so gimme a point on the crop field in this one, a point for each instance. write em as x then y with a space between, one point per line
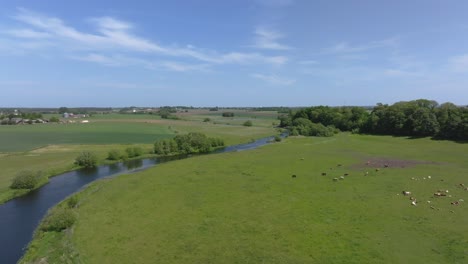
280 203
27 137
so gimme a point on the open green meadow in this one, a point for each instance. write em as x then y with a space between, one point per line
52 148
245 207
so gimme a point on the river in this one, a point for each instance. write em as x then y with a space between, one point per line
20 217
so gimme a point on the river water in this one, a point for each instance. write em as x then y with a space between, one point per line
20 217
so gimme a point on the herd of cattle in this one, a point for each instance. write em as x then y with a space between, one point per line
414 202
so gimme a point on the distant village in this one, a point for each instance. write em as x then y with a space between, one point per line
16 117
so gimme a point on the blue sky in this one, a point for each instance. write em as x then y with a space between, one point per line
232 53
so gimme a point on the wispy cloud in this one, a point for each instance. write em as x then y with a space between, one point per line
345 47
28 33
268 39
115 35
273 79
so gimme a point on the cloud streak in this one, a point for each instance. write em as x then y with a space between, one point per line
268 39
115 35
273 79
344 47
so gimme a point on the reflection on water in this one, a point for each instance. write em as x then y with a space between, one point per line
133 164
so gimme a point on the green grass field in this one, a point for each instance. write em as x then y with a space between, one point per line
245 207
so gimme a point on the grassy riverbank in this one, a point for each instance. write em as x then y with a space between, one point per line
246 207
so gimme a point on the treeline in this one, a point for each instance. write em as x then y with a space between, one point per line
187 144
418 118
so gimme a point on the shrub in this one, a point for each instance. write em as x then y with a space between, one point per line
134 152
72 202
114 155
248 123
86 159
58 219
228 114
54 119
277 138
26 180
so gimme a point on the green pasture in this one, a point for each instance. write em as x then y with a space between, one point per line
245 207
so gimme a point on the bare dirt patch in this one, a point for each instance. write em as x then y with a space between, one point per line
389 163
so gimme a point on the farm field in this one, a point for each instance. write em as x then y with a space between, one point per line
246 207
52 148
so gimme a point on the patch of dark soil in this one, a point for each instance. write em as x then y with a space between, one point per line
389 163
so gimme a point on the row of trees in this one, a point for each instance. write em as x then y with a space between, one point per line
185 144
418 118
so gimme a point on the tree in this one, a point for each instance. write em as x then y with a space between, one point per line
63 109
228 114
86 159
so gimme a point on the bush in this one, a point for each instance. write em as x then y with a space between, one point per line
248 123
54 119
115 155
228 114
26 180
72 202
58 219
277 138
134 152
86 159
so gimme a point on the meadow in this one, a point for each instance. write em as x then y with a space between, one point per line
52 148
246 207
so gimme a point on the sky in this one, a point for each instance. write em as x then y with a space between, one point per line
112 53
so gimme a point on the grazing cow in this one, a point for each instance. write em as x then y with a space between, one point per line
377 169
414 203
439 194
406 193
324 174
294 176
346 174
339 165
412 198
335 179
341 177
385 165
455 203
